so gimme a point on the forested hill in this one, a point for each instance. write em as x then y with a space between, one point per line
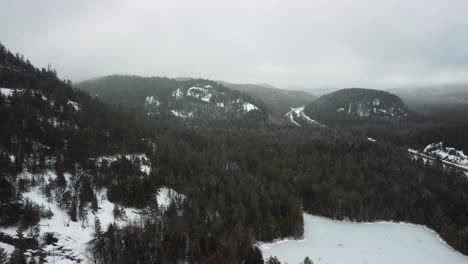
83 182
55 115
357 105
196 100
279 101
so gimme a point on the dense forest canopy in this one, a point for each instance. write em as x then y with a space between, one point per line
348 106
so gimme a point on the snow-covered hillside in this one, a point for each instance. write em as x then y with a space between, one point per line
436 152
447 154
357 104
189 101
334 242
297 116
71 238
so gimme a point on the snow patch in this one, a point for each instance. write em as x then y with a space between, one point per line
246 105
75 105
448 154
166 196
8 92
200 93
178 93
8 248
151 100
182 114
145 163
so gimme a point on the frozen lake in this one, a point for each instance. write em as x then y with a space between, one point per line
336 242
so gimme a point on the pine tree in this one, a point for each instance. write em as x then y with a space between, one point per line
272 260
17 257
3 256
307 260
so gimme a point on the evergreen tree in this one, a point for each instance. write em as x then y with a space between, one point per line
3 256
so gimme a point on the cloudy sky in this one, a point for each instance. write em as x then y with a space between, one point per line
310 43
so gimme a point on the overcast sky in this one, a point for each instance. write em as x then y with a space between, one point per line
311 43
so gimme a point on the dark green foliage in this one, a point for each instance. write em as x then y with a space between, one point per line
3 256
356 105
132 92
307 260
273 260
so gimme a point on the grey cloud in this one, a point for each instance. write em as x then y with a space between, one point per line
343 43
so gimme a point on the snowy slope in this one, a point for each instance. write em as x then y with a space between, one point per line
335 242
448 156
438 150
73 237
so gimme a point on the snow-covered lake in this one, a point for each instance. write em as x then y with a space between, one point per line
334 242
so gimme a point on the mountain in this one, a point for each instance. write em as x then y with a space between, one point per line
434 94
357 104
446 103
195 100
63 155
278 101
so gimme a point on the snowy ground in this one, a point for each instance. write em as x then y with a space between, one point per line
73 237
335 242
431 160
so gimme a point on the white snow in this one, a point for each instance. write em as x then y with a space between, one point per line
249 107
221 105
151 100
340 109
145 163
447 154
246 105
73 237
75 105
7 247
200 93
334 242
7 92
182 114
178 93
167 195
